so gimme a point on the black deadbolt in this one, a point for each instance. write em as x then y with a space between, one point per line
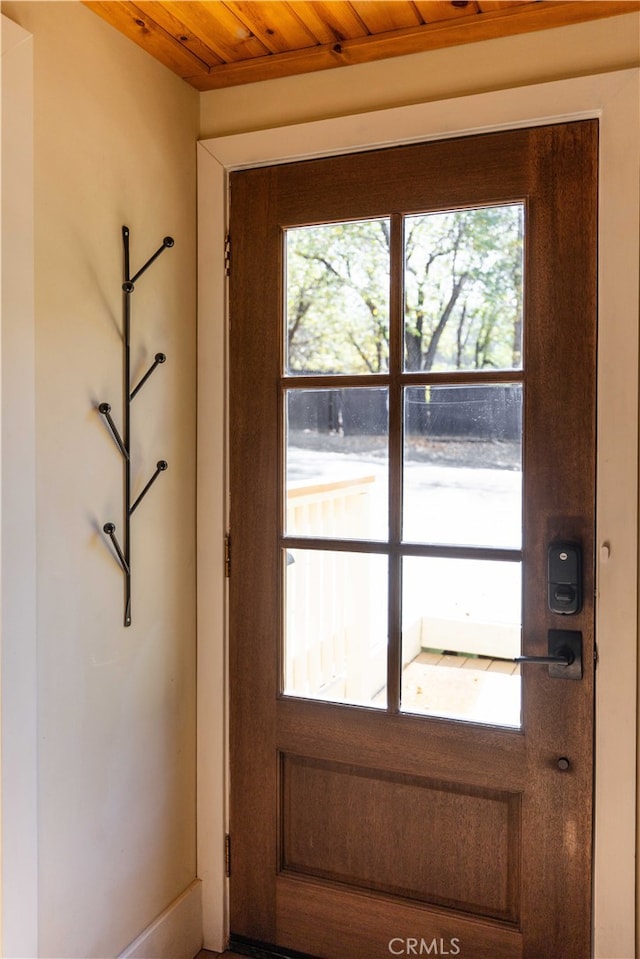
565 578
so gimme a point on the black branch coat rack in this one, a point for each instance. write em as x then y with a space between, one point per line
123 440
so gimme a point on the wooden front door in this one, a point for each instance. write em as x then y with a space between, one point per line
412 396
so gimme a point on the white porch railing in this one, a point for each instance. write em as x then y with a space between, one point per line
334 646
335 624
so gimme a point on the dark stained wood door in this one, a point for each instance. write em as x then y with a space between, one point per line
364 828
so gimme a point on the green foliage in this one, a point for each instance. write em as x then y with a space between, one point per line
338 297
463 293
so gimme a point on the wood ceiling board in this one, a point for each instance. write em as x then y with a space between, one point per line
490 6
331 21
219 28
380 17
276 25
251 62
431 37
433 10
129 20
164 18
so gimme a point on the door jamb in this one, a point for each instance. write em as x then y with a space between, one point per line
614 98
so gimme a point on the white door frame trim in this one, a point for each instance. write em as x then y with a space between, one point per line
614 98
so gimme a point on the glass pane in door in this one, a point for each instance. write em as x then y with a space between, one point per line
336 463
461 629
337 298
335 643
463 465
463 289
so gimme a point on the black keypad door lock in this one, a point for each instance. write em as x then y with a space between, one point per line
565 578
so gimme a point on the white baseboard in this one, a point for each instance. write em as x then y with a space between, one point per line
176 933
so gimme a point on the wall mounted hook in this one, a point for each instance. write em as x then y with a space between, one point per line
105 409
124 441
158 359
129 285
161 466
110 530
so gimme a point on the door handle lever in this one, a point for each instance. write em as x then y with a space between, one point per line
564 657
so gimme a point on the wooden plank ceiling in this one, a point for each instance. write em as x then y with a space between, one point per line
221 43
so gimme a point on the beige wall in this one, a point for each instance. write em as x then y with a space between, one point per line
114 143
610 44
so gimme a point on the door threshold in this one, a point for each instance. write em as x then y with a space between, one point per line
264 950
